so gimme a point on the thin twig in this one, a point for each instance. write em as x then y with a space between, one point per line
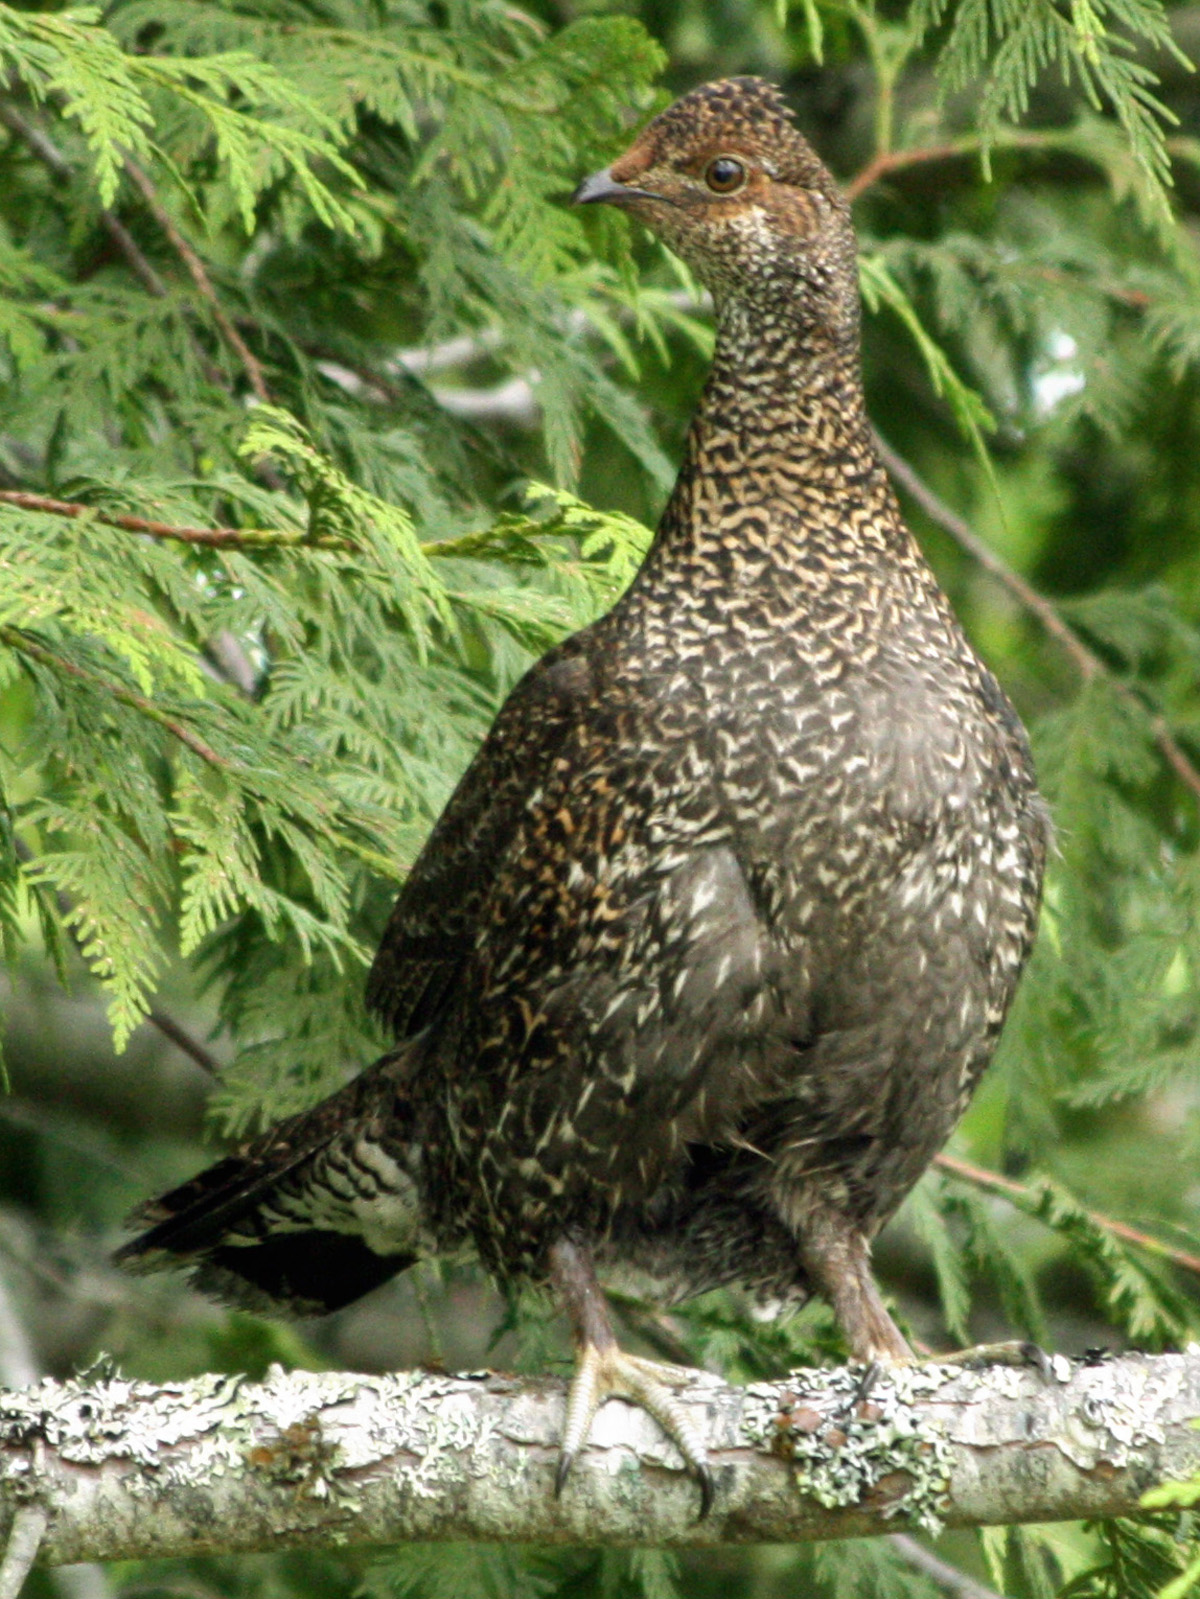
24 645
897 160
889 161
213 537
1088 664
217 537
993 1183
182 1039
48 152
52 157
938 511
28 1529
199 276
948 1578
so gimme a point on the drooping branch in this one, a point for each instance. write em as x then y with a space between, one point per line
992 1182
124 1469
52 157
199 276
24 644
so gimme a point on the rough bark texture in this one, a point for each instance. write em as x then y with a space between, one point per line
220 1463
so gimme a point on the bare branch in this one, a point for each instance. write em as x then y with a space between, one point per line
948 1578
129 1470
199 276
458 351
228 658
24 1541
890 161
52 157
183 1040
514 402
966 538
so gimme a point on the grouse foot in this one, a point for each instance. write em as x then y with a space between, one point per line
1012 1352
604 1371
610 1373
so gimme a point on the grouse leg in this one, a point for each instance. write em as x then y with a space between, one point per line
838 1260
604 1371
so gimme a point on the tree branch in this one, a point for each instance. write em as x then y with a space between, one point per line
24 1541
52 157
897 160
127 1470
994 1183
948 1578
18 640
251 538
199 276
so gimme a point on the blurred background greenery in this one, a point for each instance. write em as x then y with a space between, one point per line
361 418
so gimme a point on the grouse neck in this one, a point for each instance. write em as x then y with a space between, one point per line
780 459
782 383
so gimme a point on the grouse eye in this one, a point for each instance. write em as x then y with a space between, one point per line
724 175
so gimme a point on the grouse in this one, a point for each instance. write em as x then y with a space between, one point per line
706 954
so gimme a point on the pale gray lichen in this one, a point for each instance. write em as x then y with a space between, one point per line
1122 1409
843 1448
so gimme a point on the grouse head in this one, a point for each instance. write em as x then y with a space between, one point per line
724 178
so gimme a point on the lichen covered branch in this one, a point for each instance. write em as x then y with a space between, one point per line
124 1469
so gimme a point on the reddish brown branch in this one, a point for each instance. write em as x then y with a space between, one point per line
880 166
199 276
214 537
993 1183
897 160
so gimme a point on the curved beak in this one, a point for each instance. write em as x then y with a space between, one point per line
603 189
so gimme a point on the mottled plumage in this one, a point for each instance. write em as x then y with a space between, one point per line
705 956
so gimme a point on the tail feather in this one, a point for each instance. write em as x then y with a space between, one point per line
310 1216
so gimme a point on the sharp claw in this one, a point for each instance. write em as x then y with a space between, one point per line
603 1371
867 1381
609 1373
1035 1355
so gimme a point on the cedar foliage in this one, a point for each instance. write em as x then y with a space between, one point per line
282 519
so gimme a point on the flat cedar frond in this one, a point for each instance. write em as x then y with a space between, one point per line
1010 44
